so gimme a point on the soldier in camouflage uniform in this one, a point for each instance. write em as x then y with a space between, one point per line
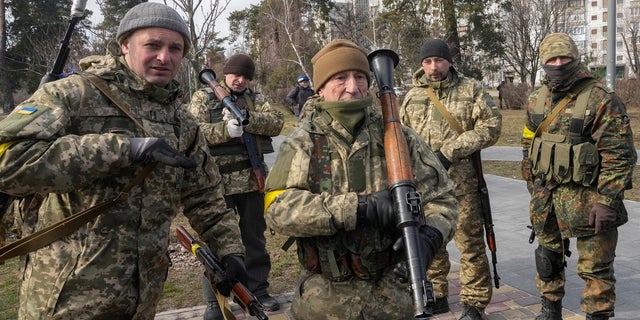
224 136
329 189
472 107
70 144
576 191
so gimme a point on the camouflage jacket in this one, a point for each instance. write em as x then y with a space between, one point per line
70 144
607 126
264 122
474 111
293 210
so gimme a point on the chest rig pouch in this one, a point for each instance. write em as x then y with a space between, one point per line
363 253
565 158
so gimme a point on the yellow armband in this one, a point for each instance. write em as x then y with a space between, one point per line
4 147
269 197
527 133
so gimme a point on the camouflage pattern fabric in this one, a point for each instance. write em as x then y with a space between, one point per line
560 211
297 212
70 144
558 45
477 114
263 121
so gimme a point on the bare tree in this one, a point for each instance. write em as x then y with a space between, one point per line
6 96
526 23
629 34
285 13
201 17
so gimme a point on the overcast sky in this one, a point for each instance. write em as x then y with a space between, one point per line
222 25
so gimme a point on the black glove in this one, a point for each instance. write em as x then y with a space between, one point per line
156 149
234 270
601 215
445 162
430 243
376 210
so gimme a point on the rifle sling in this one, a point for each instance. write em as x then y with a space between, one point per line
73 222
458 128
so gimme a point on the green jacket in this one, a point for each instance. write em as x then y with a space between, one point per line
607 125
471 106
70 144
294 210
264 123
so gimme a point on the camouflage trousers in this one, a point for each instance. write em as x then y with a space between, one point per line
596 254
475 275
319 298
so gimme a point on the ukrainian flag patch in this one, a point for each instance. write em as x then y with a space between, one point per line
27 110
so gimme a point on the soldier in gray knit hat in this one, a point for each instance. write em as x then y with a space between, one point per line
73 144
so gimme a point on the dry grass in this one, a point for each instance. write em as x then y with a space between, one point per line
183 286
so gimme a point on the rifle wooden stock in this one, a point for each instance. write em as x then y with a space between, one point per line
207 76
485 206
241 295
401 184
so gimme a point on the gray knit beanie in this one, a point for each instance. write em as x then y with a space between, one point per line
153 14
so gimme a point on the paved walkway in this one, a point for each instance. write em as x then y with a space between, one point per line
516 299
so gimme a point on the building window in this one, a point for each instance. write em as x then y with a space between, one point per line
594 3
605 15
594 31
594 46
604 30
619 58
604 43
605 3
620 15
576 3
618 44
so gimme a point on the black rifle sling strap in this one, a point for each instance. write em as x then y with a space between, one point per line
72 223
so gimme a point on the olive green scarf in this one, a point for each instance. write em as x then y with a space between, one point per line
350 114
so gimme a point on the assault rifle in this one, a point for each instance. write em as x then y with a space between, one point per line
241 295
77 14
208 77
401 184
485 206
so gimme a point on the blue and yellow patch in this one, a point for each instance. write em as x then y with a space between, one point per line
27 110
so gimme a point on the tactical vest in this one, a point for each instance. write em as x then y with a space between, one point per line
234 147
565 159
345 254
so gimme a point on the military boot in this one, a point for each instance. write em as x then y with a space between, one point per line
213 312
551 310
596 317
471 313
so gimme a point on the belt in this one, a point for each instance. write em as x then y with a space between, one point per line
234 167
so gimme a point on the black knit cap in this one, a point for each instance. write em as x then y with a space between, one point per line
435 48
240 64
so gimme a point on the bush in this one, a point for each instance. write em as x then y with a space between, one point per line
514 96
629 92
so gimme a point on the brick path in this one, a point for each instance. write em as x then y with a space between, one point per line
507 303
